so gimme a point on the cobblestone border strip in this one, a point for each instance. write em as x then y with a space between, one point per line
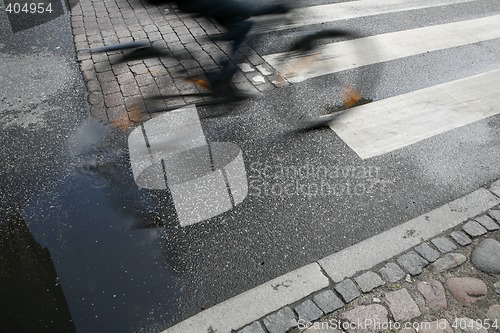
312 292
440 255
401 238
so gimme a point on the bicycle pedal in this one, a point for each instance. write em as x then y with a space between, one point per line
199 82
350 97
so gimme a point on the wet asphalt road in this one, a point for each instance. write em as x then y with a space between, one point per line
123 262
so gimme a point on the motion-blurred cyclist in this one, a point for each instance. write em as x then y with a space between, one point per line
234 16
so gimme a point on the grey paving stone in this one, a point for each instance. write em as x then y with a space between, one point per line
130 89
497 287
123 33
255 327
150 28
486 256
281 321
448 261
111 40
110 88
308 311
348 290
113 100
369 281
158 70
181 30
126 77
488 223
265 87
93 86
412 262
461 238
328 301
138 35
117 114
106 76
474 229
86 65
402 305
444 244
139 69
426 251
493 313
391 272
255 59
265 69
495 214
144 79
365 319
96 98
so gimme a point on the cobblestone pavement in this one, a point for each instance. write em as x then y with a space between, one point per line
449 284
116 91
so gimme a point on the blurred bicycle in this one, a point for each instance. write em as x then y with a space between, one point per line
307 48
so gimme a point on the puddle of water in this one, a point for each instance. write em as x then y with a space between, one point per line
114 267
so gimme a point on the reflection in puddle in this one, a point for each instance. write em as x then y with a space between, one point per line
115 268
31 295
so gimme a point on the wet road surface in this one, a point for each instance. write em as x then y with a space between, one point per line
114 255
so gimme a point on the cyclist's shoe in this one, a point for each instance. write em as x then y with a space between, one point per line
220 81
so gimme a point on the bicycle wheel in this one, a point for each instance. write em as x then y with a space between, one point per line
336 56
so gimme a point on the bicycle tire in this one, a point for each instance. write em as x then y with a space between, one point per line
351 84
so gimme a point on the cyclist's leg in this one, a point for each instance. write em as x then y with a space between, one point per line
269 10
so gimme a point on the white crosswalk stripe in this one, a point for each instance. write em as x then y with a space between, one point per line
350 54
380 127
355 9
387 125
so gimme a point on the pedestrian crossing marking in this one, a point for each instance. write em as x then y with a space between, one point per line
383 126
355 53
356 9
